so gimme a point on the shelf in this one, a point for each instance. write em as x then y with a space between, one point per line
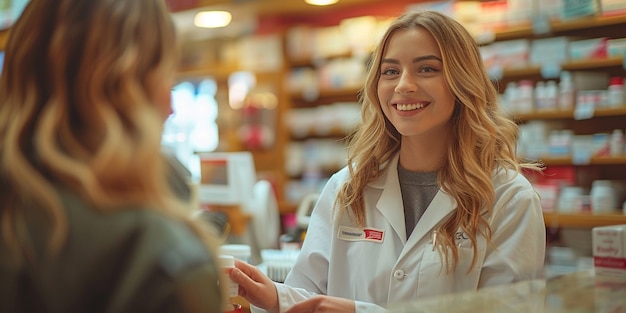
568 114
583 220
535 70
554 161
216 70
327 96
526 30
578 65
334 134
312 61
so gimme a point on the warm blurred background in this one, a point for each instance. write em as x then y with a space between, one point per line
280 80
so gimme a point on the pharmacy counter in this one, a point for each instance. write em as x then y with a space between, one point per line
580 292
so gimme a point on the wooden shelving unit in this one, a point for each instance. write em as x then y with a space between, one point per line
555 27
581 220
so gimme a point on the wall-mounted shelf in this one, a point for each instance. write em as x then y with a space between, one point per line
555 27
568 114
577 65
326 96
554 161
581 220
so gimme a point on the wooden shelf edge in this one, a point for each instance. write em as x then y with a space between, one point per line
324 94
583 220
614 160
574 65
567 114
526 30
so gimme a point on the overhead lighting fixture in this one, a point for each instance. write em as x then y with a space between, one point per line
321 2
212 19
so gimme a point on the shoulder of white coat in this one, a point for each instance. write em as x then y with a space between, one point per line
510 180
512 189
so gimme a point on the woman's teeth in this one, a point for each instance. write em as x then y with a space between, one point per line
409 107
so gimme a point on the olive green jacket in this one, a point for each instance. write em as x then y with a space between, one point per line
134 260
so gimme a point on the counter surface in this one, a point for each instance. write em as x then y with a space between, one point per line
580 292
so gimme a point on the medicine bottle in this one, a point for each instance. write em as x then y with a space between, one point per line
616 143
227 263
603 198
567 93
616 92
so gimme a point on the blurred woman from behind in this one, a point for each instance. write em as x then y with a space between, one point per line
89 220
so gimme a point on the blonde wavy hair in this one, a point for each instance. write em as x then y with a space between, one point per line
77 111
485 137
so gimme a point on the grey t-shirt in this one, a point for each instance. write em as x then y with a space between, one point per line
418 190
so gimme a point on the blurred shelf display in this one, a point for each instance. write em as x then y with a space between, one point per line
574 139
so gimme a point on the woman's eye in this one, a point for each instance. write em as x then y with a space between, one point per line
427 69
389 71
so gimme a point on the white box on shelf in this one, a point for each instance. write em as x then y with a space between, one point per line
609 250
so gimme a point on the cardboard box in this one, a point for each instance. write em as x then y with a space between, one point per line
609 250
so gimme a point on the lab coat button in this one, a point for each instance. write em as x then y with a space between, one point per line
399 274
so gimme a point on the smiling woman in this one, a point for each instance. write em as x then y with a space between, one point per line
433 196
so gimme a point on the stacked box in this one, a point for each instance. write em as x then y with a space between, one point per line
609 250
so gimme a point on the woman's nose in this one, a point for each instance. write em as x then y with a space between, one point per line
406 83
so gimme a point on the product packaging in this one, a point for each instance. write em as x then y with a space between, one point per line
609 250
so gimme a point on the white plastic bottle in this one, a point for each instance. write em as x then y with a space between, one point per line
567 93
603 198
510 97
525 96
616 92
616 144
540 95
551 92
227 263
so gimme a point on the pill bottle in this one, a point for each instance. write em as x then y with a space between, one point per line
227 263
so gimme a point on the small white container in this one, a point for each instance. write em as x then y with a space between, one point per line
227 262
569 199
616 145
603 198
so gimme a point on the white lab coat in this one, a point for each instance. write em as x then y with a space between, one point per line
388 269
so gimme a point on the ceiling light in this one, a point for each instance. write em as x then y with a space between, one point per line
321 2
212 19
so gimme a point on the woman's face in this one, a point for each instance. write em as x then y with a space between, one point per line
412 90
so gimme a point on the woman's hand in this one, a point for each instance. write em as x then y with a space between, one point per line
254 286
323 304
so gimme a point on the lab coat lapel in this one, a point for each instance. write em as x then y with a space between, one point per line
441 206
390 202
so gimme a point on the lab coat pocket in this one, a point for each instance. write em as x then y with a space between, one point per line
434 279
